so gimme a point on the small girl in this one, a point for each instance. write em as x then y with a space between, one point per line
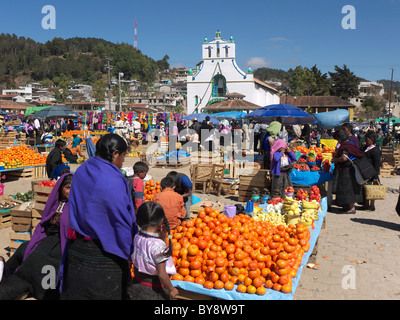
151 256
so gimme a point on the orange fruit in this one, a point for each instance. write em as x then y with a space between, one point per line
208 284
219 284
229 285
261 291
251 289
241 288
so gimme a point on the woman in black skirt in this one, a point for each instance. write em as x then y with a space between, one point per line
33 268
102 219
348 191
374 155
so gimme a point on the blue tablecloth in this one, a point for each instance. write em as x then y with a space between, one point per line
271 294
310 178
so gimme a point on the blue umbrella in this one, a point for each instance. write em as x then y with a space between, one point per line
284 113
230 115
200 117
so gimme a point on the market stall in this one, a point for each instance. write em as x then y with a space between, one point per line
270 293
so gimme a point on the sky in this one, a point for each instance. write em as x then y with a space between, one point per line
275 34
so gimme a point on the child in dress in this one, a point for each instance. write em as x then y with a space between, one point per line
151 258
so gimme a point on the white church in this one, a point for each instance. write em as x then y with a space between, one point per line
217 75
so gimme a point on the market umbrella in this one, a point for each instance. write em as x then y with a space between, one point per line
200 117
284 113
230 115
55 113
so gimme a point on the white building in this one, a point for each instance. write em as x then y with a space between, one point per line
217 74
25 93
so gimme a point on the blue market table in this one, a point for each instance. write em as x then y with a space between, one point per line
201 292
310 178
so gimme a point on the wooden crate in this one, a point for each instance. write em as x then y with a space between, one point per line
23 174
260 179
5 220
39 172
17 238
194 209
206 157
21 217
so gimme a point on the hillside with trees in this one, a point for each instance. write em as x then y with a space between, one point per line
77 59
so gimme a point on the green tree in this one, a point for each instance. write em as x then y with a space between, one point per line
344 83
63 84
99 90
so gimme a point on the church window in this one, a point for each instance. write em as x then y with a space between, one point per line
219 86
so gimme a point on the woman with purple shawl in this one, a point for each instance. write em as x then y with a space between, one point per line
102 219
24 270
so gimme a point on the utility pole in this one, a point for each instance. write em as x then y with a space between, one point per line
390 99
109 68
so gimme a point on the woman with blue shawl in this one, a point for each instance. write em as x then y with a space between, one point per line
102 219
73 149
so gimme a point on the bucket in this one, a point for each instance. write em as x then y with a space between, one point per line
230 211
1 189
249 207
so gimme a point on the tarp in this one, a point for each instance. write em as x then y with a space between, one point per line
310 178
396 120
229 115
30 110
332 119
284 113
200 117
271 294
329 142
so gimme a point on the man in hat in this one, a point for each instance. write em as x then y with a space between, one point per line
196 126
119 127
136 127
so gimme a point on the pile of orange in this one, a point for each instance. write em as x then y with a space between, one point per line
69 134
218 252
150 189
21 156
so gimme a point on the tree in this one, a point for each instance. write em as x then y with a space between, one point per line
373 104
344 83
301 81
321 82
99 90
63 88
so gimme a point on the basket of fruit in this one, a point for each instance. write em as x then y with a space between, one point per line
289 191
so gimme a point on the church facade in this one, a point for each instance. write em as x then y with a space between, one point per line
217 75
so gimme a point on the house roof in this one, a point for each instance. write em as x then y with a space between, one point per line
7 104
317 101
262 83
232 104
140 107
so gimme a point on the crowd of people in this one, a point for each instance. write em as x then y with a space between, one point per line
94 233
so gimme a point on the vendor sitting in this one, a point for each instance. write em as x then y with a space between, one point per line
47 137
73 149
